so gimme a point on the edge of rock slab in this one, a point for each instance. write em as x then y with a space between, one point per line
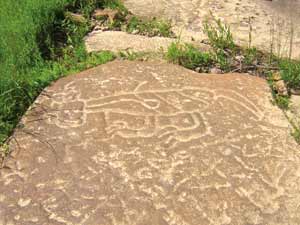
116 41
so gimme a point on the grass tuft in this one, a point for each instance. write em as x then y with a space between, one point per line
219 34
283 102
153 27
290 72
296 134
188 56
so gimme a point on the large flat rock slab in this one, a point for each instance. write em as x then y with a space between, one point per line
152 143
270 20
118 41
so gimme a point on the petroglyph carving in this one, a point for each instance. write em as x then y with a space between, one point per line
143 143
172 115
68 108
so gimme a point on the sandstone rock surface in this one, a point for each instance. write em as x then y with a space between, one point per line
152 143
294 112
117 41
270 20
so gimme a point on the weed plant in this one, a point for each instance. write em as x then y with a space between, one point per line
126 22
189 56
296 134
39 44
219 35
290 72
221 39
153 27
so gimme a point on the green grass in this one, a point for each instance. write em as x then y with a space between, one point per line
251 56
290 72
113 4
219 35
38 45
153 27
132 55
296 134
4 151
295 128
131 24
188 56
282 102
221 39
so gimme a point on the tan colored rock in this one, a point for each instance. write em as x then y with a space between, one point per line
276 76
118 41
24 202
280 88
110 13
155 144
267 20
215 70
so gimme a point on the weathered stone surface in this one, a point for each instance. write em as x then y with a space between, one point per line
152 143
118 41
110 13
269 19
294 112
